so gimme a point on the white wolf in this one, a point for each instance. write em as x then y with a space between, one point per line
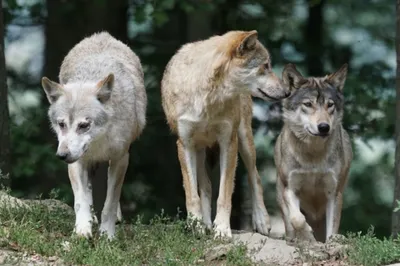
97 111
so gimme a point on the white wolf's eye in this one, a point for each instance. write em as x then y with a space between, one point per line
83 125
61 125
307 104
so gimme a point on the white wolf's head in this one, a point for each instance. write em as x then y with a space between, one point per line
77 114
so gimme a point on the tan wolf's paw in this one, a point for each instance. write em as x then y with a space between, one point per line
195 224
261 222
222 231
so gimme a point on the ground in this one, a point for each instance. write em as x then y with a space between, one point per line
38 232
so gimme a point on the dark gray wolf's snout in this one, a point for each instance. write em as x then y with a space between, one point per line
323 128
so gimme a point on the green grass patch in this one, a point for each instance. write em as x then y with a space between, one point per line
165 241
369 250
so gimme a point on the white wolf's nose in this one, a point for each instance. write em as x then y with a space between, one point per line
62 155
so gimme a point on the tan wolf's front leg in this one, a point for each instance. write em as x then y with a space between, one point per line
116 175
204 188
188 160
83 199
228 162
260 217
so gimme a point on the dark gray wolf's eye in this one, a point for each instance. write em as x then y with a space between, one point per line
307 104
330 104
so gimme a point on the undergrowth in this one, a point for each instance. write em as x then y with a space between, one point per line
368 250
165 241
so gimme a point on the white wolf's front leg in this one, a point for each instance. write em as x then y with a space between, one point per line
83 200
228 143
116 174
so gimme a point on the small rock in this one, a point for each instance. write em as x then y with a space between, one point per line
217 252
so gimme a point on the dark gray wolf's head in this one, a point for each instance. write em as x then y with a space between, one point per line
315 106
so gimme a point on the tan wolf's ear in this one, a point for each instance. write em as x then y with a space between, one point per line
52 89
291 76
248 43
338 78
104 88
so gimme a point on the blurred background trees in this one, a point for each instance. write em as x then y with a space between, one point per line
317 35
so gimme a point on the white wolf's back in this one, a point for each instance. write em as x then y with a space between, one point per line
94 58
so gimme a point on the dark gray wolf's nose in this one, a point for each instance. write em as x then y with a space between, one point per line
323 128
62 156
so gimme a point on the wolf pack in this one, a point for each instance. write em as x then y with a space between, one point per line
98 109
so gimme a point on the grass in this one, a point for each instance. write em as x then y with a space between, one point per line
165 241
368 250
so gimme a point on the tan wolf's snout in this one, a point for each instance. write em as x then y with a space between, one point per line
273 89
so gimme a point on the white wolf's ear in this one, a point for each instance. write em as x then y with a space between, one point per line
52 89
104 88
247 43
338 78
291 76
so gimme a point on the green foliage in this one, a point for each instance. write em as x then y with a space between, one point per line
368 250
165 240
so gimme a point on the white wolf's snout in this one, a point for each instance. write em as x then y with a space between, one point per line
71 148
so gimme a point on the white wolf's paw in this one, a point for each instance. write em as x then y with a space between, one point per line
298 221
222 230
108 230
119 213
261 221
83 229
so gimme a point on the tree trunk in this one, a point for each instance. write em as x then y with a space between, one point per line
4 113
396 215
314 39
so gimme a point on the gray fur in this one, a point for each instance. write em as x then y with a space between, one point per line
312 166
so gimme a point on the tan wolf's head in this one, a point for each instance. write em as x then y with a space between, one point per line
77 114
246 65
315 106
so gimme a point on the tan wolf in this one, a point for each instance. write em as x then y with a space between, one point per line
97 111
206 96
312 155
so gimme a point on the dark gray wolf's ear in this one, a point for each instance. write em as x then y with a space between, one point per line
247 43
291 76
338 78
52 89
104 88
